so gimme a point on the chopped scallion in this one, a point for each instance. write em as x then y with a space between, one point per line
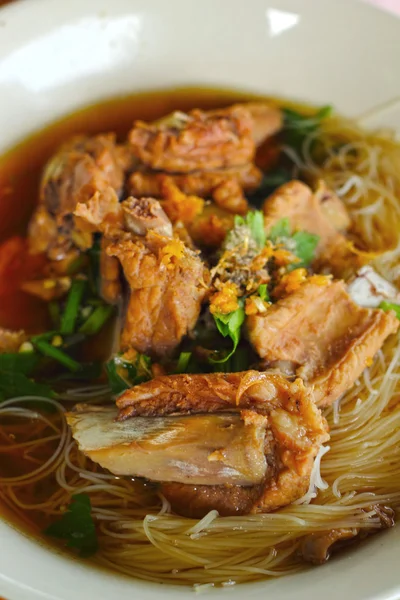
71 311
97 319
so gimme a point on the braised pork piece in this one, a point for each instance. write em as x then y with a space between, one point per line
292 426
235 325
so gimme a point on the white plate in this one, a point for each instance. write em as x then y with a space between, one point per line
56 56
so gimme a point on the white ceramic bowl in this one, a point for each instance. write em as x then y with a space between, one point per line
56 56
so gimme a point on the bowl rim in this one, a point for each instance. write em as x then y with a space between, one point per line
34 555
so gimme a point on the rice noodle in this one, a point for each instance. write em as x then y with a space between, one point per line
316 481
138 534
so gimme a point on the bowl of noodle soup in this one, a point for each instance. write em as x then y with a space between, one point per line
96 55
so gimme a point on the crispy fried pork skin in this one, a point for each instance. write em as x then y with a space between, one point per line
312 211
204 449
167 287
326 336
145 182
166 278
120 220
195 393
78 170
204 140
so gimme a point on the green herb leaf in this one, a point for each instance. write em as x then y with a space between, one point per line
302 244
183 362
71 311
238 361
254 220
21 362
230 326
97 319
306 244
14 384
123 374
263 292
386 306
281 229
76 526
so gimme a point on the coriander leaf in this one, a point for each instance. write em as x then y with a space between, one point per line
21 362
306 244
229 326
386 306
302 244
254 220
263 292
281 229
13 384
76 526
183 362
123 374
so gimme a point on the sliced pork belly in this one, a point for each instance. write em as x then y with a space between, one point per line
320 330
204 140
80 168
261 406
321 213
